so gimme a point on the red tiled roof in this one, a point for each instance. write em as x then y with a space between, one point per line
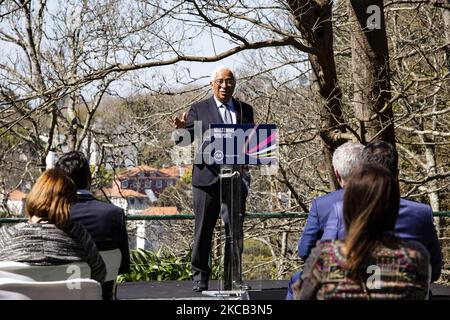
123 193
174 171
17 195
135 170
160 210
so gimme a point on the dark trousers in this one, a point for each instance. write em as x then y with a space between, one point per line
207 206
107 290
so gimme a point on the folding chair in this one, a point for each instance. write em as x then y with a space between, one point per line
15 276
112 259
48 273
10 295
72 289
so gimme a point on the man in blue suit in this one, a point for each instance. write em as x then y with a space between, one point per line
222 107
105 222
415 220
345 158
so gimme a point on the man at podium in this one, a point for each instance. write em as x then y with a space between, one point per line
223 108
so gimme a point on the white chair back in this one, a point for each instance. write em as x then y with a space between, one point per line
73 289
48 273
15 276
112 259
10 295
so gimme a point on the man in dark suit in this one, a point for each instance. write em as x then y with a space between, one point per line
415 219
220 108
105 222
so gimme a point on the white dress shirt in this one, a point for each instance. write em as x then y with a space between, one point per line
222 110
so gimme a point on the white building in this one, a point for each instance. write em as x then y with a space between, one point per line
151 234
15 203
129 200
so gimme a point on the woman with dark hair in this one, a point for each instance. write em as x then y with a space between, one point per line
371 263
50 237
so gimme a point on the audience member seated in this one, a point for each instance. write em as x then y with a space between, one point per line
105 222
345 158
50 237
415 219
372 263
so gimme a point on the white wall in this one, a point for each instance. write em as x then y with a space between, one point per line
16 207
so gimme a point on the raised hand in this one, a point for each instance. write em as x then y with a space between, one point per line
180 123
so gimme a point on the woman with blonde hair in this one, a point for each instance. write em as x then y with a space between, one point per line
50 237
372 263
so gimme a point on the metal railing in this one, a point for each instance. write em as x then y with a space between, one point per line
268 225
256 215
187 216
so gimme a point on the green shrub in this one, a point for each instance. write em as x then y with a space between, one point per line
161 265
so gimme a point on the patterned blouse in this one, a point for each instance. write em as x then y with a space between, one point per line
45 244
399 270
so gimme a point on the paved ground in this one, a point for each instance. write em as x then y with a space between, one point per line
260 290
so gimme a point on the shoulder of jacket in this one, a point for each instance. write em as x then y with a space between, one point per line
12 229
111 208
244 104
417 205
103 207
201 103
330 195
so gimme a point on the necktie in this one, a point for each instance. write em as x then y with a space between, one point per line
228 119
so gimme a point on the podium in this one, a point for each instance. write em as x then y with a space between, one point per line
232 148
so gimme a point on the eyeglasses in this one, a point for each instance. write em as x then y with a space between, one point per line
228 82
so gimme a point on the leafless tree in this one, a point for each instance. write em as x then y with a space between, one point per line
318 69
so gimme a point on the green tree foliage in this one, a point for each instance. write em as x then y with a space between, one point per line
187 177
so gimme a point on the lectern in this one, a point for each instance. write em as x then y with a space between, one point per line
232 148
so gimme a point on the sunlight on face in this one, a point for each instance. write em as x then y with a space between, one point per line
223 85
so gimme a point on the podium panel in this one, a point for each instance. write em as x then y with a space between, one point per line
232 148
239 144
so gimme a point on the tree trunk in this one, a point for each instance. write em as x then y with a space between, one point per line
430 167
313 19
370 68
446 17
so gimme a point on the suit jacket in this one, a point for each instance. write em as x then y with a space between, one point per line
414 222
106 224
316 222
206 111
